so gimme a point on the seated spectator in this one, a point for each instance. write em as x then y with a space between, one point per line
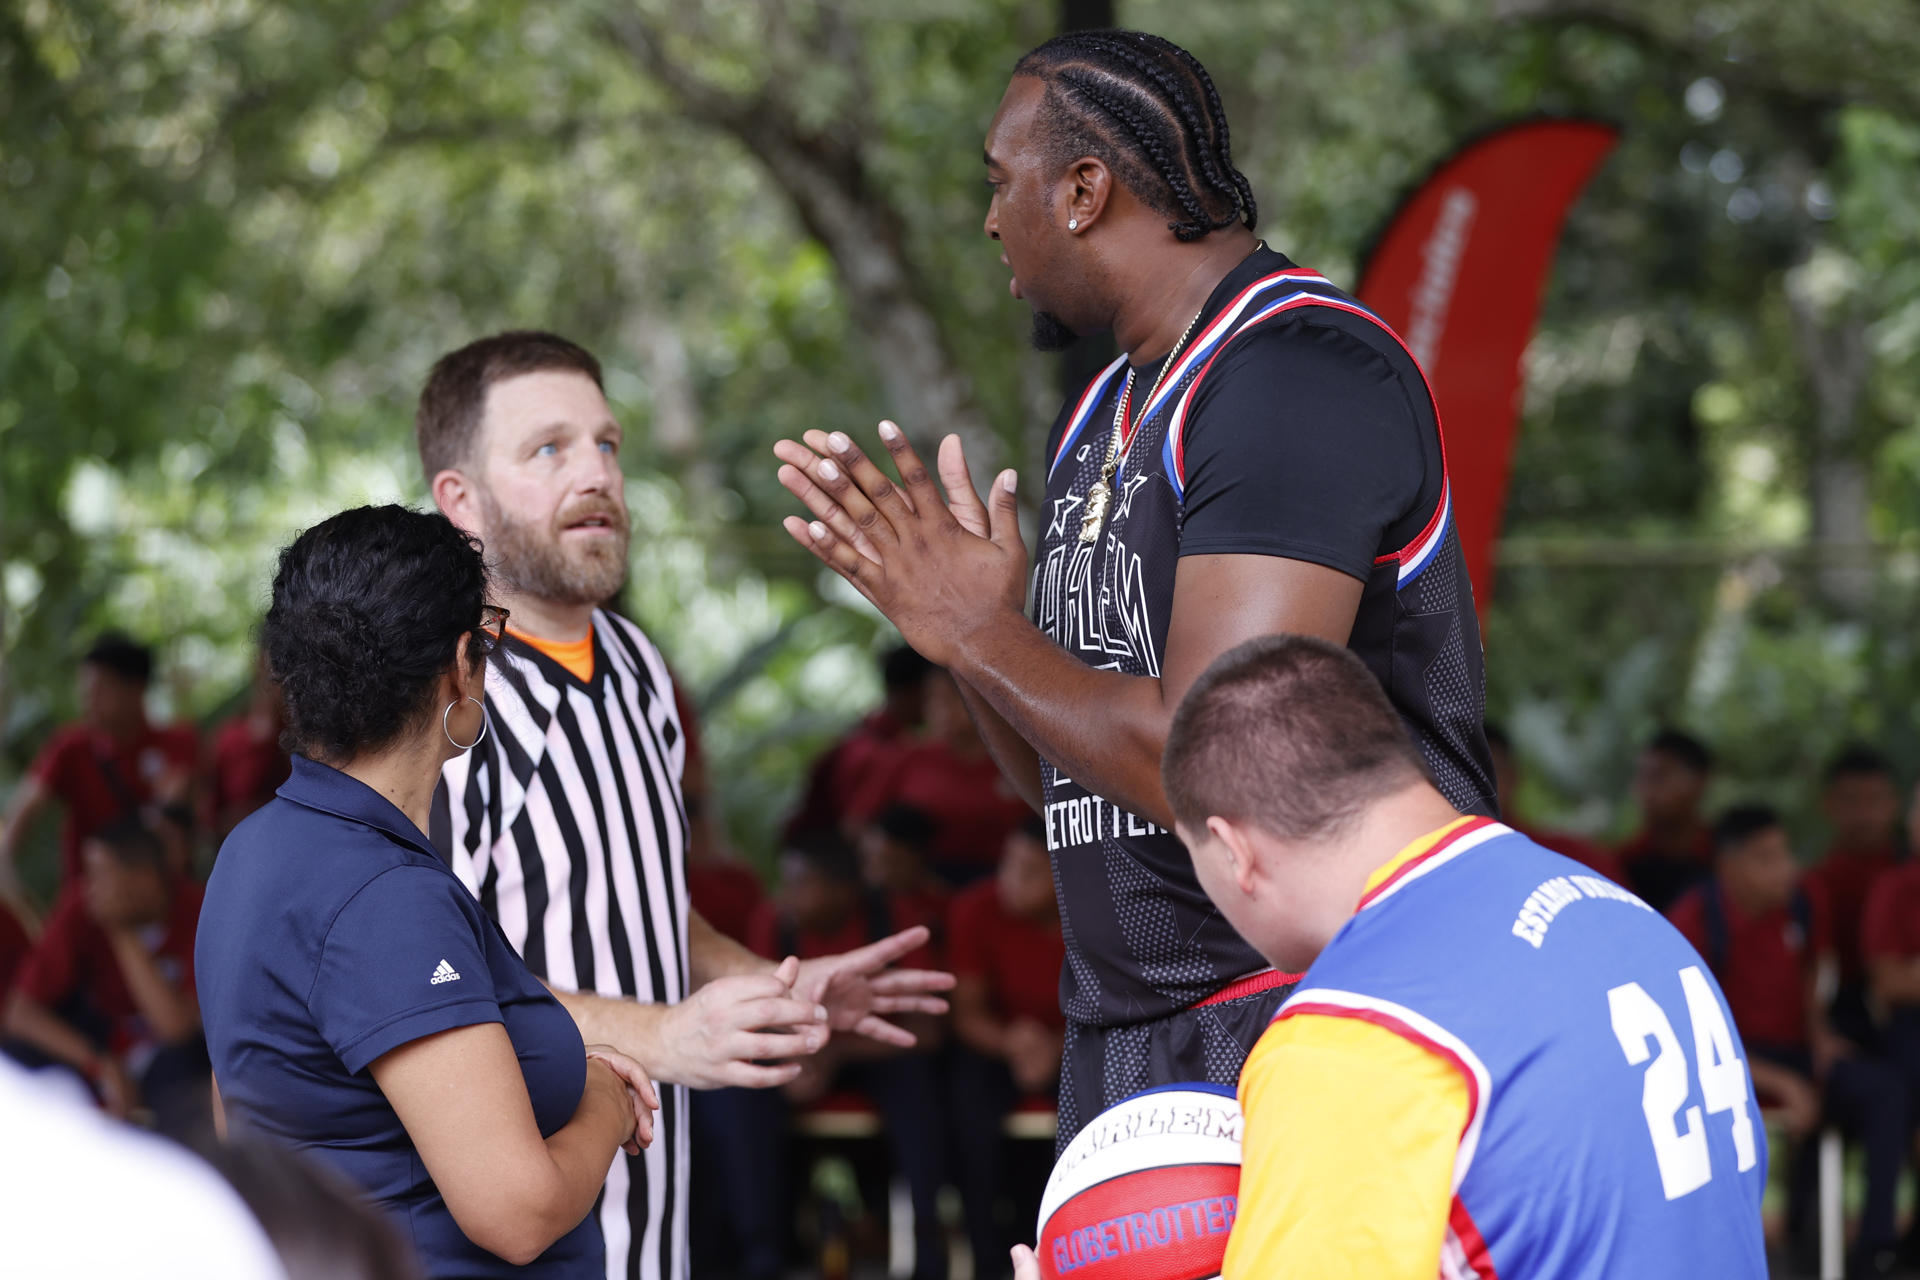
1766 940
108 989
1004 946
16 942
894 848
1890 947
248 763
1506 774
1862 807
950 777
725 891
839 771
823 909
108 768
1673 850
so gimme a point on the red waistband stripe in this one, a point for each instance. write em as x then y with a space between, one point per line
1251 985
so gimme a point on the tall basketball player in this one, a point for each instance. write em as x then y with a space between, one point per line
1264 457
567 820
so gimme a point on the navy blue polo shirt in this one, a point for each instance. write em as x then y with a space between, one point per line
332 934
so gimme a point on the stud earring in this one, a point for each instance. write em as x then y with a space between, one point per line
1073 224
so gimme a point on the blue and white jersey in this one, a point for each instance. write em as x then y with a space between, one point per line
1611 1130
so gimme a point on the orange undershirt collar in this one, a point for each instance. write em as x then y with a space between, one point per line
575 655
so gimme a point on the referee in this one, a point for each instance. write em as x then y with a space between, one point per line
568 820
1264 457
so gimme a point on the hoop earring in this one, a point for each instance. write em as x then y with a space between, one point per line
465 746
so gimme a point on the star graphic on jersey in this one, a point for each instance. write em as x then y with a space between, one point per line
1062 508
1126 496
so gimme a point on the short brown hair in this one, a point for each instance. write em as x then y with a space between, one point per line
1288 733
456 392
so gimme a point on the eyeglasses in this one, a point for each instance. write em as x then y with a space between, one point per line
493 626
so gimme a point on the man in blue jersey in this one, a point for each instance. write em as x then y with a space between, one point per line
1497 1063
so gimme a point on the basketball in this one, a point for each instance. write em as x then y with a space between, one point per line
1148 1191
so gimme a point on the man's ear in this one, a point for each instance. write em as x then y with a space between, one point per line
1087 187
457 497
1241 855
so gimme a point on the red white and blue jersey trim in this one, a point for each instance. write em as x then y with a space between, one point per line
1089 400
1463 1253
1202 349
1173 452
1467 836
1255 305
1419 553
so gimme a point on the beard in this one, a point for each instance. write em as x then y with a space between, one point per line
1050 333
533 561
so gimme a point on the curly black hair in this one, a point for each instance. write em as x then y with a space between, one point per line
1150 110
368 610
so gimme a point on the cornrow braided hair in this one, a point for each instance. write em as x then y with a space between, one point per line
1148 109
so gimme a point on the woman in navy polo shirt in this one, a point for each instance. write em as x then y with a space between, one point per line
358 1003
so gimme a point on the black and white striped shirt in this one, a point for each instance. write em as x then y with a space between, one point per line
567 823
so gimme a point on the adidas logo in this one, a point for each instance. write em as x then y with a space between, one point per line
444 973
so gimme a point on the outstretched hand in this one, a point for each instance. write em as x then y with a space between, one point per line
857 987
938 568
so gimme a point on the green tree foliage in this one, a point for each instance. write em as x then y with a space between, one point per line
237 233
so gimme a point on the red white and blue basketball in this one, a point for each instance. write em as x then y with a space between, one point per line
1147 1191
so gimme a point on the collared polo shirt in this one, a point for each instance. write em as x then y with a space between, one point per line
332 934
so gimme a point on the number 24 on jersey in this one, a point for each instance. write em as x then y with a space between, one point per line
1681 1149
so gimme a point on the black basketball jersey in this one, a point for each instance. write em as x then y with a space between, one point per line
1284 376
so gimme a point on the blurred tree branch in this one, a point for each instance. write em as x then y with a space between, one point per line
826 176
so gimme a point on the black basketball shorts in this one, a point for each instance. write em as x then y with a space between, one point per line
1208 1042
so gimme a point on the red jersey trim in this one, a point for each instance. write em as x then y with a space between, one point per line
1253 984
1441 846
1415 555
1416 1030
1466 1247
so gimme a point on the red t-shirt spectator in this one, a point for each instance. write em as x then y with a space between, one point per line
1765 963
926 905
15 944
840 772
74 957
726 894
1019 959
247 770
1590 854
772 933
1891 926
972 807
101 781
1661 877
1846 881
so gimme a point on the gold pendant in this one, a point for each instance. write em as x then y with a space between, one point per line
1097 499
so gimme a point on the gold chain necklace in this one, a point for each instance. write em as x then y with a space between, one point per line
1100 496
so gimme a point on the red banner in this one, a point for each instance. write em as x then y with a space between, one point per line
1459 273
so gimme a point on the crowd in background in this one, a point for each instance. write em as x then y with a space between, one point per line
905 820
